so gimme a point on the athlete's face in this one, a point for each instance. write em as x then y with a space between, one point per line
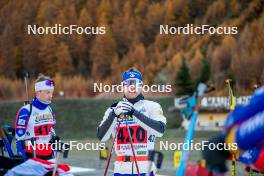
45 95
132 88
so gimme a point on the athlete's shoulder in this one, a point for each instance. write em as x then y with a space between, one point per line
151 103
155 110
22 116
24 109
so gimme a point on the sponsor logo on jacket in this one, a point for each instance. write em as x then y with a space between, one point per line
44 118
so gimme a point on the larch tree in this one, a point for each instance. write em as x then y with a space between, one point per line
83 44
183 83
103 51
64 60
47 61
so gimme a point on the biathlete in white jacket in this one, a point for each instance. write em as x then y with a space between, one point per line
36 121
145 120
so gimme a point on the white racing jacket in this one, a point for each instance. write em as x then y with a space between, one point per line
143 134
35 120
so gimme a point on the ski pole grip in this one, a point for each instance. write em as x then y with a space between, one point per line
26 74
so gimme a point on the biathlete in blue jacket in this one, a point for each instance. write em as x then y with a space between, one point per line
245 128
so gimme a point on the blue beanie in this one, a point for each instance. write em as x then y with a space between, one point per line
132 73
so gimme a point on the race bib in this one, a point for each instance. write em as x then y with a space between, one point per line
138 135
42 130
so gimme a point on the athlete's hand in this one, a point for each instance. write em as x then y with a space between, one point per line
129 107
123 107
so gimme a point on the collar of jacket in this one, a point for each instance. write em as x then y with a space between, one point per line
39 104
134 100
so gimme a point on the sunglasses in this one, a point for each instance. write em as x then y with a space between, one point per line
135 82
50 82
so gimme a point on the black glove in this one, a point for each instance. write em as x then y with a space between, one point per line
129 108
216 159
54 139
123 107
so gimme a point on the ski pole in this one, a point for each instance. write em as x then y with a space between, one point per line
58 151
131 142
132 147
232 107
56 163
188 138
6 143
250 173
111 151
26 75
231 95
33 141
233 166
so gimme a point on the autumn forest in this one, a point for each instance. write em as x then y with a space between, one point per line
132 39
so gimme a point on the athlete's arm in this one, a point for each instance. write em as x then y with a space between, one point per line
21 124
155 123
106 127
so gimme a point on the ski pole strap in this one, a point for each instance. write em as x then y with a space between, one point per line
132 146
188 138
111 151
131 158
